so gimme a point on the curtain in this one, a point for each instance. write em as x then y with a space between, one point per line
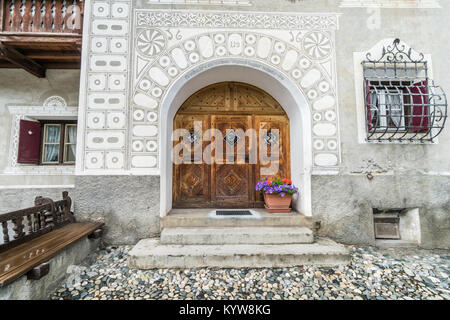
374 109
420 106
382 108
72 138
51 151
394 106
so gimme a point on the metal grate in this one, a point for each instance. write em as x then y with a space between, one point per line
233 213
387 228
386 223
401 102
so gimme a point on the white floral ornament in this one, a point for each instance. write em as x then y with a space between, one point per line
138 145
151 146
151 42
145 84
317 45
138 115
314 81
55 101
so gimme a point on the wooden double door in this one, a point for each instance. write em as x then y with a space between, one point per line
222 157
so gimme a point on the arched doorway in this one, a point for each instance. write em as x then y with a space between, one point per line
233 109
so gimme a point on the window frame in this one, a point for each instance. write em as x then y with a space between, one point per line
62 142
384 87
65 143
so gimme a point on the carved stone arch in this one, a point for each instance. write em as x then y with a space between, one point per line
300 67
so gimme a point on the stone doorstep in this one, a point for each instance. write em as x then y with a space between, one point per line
152 254
200 218
240 235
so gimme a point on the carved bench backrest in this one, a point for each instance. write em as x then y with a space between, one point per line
25 224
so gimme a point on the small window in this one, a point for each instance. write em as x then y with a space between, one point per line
70 143
402 103
393 109
58 145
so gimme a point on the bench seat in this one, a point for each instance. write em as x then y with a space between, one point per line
20 259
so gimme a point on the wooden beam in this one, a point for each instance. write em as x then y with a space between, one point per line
2 14
40 37
39 271
15 57
51 55
47 64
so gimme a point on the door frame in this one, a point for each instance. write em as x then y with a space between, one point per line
263 76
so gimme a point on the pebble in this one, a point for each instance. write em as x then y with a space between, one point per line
374 274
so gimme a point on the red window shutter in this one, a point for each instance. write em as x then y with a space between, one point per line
29 142
369 103
419 92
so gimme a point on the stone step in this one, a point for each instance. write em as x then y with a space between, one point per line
152 254
262 218
238 235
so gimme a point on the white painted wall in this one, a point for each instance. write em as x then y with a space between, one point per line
20 90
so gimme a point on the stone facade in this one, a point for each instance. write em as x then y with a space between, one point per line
128 205
142 59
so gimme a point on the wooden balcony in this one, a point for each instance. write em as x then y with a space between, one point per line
36 35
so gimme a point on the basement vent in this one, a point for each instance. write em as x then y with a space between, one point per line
233 213
386 223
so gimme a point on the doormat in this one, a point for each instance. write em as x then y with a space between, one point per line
233 213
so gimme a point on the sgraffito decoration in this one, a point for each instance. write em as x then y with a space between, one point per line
299 46
390 3
134 56
105 104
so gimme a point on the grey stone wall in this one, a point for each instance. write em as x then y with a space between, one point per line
344 205
128 205
12 199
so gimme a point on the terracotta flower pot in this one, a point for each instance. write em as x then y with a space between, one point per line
276 203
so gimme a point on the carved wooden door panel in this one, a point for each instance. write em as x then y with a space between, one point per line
273 149
231 174
228 107
191 183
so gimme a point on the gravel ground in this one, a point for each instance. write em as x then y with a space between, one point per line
400 273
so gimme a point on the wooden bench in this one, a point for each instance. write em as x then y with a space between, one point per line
39 233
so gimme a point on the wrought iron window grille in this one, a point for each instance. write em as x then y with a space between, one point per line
402 104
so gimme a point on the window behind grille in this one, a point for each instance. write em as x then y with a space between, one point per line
401 102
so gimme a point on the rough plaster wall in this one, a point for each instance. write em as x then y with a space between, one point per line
15 199
24 289
422 29
344 205
21 88
330 193
405 175
128 205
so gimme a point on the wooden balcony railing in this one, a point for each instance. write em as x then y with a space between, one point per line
42 16
36 35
